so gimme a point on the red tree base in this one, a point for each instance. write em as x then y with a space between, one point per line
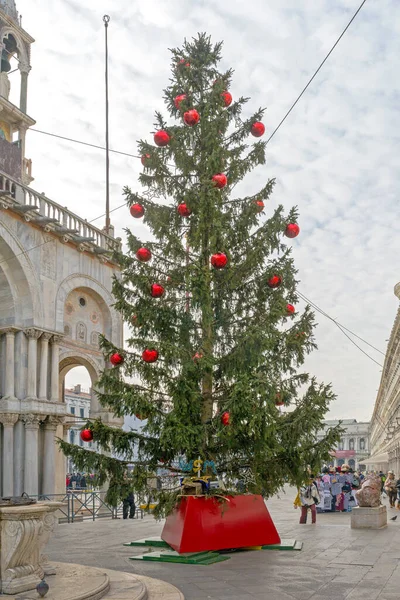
201 524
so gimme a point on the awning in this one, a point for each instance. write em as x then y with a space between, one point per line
376 460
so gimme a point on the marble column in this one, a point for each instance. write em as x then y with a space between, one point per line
33 335
55 370
44 359
8 420
49 455
31 479
9 387
24 69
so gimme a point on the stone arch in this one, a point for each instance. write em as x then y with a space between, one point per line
112 327
22 51
71 359
18 283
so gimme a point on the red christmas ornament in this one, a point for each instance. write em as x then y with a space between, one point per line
143 254
145 158
183 210
137 210
197 356
116 359
258 129
225 418
219 260
278 400
292 230
260 205
179 99
191 117
162 138
274 281
157 290
183 63
220 180
290 309
86 435
227 98
149 356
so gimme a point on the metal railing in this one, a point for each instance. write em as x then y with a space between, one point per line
86 506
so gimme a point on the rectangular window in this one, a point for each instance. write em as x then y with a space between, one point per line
72 409
80 441
82 412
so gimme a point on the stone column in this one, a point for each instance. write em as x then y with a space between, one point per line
10 363
44 359
24 69
31 479
55 374
8 420
33 335
49 456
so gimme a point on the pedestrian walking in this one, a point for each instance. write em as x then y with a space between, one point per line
309 498
128 506
391 489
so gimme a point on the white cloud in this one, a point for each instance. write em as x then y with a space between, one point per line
336 156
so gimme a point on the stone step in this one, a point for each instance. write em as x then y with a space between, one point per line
78 582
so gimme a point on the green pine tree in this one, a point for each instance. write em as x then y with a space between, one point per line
228 349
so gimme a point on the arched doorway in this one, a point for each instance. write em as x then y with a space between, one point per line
352 463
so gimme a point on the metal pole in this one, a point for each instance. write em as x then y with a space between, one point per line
106 20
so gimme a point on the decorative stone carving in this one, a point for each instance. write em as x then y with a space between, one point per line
32 421
370 493
5 85
8 419
56 339
23 535
94 339
33 333
49 522
81 332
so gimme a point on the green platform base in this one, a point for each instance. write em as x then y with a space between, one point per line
153 542
289 544
170 556
166 554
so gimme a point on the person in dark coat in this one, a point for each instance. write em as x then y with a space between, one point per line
129 507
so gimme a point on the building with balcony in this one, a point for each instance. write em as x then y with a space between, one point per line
385 422
353 448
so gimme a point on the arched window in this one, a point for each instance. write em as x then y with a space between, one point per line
351 444
362 444
341 445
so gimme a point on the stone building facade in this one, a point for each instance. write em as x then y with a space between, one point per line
353 448
385 422
56 274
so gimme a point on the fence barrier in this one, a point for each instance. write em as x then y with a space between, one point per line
84 506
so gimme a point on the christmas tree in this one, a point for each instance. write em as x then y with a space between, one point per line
210 297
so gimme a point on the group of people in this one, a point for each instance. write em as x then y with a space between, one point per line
77 481
332 490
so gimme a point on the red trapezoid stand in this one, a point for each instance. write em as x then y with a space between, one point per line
201 524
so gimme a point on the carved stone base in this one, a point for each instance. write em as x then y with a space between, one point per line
363 517
24 532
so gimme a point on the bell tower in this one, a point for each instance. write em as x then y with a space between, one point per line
15 46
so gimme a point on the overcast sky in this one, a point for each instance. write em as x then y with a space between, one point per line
336 156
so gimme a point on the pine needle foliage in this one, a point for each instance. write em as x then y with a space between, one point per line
225 340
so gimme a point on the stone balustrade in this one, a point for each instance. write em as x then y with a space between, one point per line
46 213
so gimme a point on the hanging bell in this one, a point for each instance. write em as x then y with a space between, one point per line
5 66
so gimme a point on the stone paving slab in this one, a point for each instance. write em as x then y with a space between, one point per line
336 562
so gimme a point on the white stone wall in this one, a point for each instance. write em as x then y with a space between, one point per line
40 279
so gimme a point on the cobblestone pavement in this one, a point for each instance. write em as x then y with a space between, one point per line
336 562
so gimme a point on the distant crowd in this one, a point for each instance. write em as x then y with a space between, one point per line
334 490
79 481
